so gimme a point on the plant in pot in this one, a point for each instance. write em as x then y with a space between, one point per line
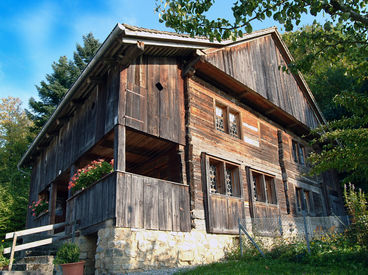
67 257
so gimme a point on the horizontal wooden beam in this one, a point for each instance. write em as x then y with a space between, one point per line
32 244
35 230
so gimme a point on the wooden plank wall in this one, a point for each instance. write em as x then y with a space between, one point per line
258 149
256 64
143 202
94 204
89 122
224 214
149 109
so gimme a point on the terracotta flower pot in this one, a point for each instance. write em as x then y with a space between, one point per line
73 268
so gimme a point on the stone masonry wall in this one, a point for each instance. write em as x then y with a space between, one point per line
122 249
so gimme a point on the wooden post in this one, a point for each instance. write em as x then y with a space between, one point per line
306 232
12 251
73 169
240 238
251 239
181 154
280 225
52 201
119 147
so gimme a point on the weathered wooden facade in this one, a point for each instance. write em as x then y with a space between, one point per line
202 134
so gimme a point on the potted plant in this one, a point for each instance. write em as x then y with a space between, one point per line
89 174
67 257
39 207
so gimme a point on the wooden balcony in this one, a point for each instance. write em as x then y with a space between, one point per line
132 201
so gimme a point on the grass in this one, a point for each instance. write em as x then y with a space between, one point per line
274 266
331 254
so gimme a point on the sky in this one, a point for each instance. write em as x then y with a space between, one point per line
35 33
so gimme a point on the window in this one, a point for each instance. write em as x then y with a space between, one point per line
264 187
298 152
304 200
223 177
227 121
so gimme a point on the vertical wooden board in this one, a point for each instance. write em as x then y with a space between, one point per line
137 202
184 209
149 216
174 101
122 202
180 106
100 109
128 209
234 213
153 76
112 195
164 99
122 95
119 147
175 202
162 206
98 201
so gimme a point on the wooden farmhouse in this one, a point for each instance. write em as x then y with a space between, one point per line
202 134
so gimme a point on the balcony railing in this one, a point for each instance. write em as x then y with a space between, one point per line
133 201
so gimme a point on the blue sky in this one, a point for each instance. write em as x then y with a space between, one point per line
34 33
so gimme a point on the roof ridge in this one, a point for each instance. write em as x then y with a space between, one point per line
185 35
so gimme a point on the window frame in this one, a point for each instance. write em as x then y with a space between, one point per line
222 166
226 117
304 201
274 201
298 152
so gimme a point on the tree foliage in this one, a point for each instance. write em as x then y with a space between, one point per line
190 16
64 73
333 55
343 69
14 185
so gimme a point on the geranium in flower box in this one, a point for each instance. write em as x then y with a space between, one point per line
38 207
89 174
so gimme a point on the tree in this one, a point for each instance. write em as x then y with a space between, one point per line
328 75
190 15
65 73
344 141
14 185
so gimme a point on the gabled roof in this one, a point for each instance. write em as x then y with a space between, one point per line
125 40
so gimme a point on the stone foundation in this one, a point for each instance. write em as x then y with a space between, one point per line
122 249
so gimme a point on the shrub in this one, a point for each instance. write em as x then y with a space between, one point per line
356 205
67 253
90 174
3 260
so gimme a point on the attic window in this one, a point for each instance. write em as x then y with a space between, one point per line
227 120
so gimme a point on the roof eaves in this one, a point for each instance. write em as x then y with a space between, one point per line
118 30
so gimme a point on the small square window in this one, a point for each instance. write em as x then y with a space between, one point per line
227 121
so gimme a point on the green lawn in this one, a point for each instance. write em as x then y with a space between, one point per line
269 266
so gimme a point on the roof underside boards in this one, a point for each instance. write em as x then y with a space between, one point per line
256 64
247 96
